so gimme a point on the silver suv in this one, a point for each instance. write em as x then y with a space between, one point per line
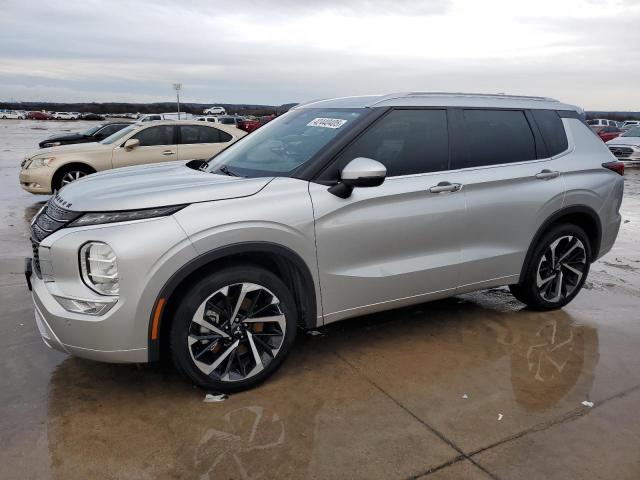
336 209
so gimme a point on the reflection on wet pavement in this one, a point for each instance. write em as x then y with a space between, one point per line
469 387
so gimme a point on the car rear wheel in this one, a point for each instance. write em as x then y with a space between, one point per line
233 329
557 270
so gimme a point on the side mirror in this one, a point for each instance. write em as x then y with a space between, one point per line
359 172
131 144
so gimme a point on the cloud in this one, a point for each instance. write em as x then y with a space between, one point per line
582 51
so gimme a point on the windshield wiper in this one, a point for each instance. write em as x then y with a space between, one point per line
224 169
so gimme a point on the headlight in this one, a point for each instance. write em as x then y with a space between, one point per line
98 218
40 162
99 268
51 144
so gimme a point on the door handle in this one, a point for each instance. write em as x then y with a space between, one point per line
446 187
547 175
168 152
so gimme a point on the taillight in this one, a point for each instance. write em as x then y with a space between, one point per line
617 167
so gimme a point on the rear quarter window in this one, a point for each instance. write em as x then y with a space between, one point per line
552 129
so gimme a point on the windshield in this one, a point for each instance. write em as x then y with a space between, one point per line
92 130
284 144
118 135
632 132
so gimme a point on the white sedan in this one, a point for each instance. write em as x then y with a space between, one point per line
11 114
64 116
626 147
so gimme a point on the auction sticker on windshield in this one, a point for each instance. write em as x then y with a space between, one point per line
326 122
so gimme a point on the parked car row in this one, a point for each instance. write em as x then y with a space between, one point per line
64 159
39 115
603 122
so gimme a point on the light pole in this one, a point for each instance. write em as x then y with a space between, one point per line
177 87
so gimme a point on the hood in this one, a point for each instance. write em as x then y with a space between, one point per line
155 185
69 137
630 141
71 148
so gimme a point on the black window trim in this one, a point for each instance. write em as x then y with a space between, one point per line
323 160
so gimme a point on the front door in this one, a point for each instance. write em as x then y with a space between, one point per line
398 243
157 144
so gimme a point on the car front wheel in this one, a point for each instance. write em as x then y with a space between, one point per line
557 269
233 328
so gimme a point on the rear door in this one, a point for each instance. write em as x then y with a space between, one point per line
200 142
157 144
512 185
398 243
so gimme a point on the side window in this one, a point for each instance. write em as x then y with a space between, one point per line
405 141
199 134
493 137
160 135
552 129
109 130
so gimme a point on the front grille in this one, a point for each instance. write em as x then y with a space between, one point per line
621 152
51 219
36 258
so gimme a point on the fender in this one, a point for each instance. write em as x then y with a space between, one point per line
595 248
155 320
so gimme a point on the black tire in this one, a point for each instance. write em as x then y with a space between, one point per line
182 328
58 178
537 297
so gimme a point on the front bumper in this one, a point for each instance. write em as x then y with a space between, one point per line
80 335
149 252
36 180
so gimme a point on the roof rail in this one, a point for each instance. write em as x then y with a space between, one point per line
484 95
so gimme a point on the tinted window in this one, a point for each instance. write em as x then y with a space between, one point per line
160 135
200 134
405 141
110 129
552 130
492 137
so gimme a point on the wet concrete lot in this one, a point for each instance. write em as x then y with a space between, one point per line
471 387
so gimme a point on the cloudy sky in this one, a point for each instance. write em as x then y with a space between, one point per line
278 51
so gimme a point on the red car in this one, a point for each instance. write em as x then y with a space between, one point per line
38 116
607 133
251 125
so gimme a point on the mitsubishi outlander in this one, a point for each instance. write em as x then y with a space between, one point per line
336 209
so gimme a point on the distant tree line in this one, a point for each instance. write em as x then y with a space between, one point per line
161 107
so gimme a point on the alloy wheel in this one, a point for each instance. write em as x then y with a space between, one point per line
236 332
561 268
72 176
